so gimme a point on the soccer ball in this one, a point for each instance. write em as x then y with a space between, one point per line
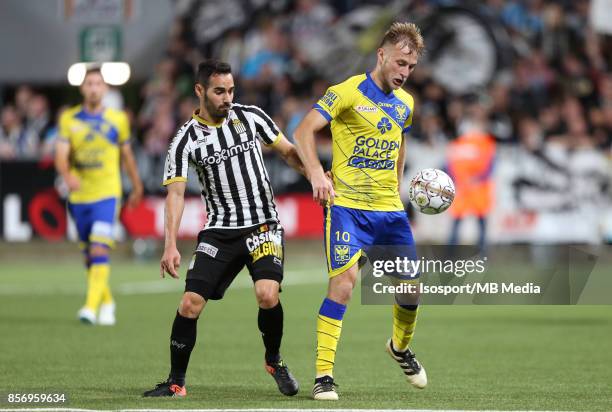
431 191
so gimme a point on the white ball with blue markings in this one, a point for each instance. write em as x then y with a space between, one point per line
431 191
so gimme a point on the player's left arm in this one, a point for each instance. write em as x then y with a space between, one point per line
271 136
288 152
127 158
400 162
402 150
128 161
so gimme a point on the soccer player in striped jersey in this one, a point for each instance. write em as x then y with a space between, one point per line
369 115
92 141
223 141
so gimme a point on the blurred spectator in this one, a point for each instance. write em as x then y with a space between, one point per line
23 96
113 99
50 138
16 142
310 26
161 129
524 17
185 109
232 49
269 62
557 38
576 81
38 116
500 115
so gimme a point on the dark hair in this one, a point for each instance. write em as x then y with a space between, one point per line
209 67
93 69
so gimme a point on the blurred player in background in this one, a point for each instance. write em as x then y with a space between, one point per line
369 115
91 144
223 142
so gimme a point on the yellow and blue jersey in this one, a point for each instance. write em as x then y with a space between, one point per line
95 156
367 126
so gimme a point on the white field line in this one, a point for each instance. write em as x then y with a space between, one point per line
247 409
293 277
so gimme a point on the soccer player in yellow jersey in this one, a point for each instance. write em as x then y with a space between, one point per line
92 141
369 114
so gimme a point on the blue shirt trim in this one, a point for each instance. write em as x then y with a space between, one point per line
385 101
95 121
319 109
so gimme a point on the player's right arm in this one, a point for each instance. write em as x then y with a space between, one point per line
304 136
62 155
175 203
175 180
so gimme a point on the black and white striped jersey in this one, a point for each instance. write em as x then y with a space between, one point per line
227 157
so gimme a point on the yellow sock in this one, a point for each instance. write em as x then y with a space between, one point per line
329 327
404 322
107 296
97 281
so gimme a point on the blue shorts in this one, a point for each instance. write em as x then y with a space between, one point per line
95 221
349 232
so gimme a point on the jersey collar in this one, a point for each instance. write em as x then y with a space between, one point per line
369 76
196 116
85 115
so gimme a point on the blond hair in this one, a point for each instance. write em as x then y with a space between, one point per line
408 33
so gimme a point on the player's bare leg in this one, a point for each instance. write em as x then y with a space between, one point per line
270 323
329 327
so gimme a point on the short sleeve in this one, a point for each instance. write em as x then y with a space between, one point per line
64 127
177 159
267 131
124 128
333 102
408 122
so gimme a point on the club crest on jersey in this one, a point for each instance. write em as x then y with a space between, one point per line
384 125
342 253
239 126
400 109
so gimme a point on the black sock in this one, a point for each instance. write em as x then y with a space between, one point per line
182 341
270 322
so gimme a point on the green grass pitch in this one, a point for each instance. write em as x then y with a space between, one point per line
477 357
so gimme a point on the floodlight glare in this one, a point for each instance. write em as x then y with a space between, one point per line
116 73
76 74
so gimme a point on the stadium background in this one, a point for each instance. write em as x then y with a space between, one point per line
538 72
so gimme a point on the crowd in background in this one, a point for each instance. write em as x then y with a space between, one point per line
557 89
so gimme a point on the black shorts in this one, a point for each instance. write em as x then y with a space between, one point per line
222 253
